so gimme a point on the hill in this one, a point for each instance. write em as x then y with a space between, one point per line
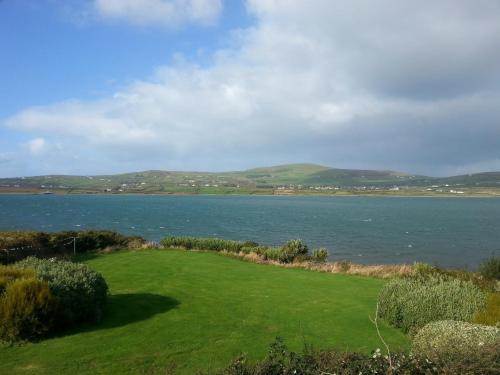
288 178
200 310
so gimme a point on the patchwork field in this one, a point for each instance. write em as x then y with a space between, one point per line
195 310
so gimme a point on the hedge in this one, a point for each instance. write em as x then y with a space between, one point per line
412 303
81 292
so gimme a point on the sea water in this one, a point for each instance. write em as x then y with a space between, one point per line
450 232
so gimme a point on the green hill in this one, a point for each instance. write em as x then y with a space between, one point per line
257 180
199 310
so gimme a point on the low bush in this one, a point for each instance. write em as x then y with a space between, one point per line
26 308
450 340
281 361
412 303
81 291
490 268
490 315
291 250
90 240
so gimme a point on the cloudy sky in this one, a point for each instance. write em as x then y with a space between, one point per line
105 86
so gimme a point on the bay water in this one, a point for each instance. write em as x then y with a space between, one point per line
450 232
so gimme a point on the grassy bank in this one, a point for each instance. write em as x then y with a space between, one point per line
199 310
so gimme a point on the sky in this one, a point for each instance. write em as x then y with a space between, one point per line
111 86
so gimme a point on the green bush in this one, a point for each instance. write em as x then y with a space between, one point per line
490 268
26 309
412 303
81 291
449 340
319 255
59 244
291 250
281 361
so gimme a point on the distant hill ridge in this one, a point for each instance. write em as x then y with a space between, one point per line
287 175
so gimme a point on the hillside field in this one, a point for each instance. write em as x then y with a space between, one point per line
281 179
197 310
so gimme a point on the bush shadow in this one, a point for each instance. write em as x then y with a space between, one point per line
123 309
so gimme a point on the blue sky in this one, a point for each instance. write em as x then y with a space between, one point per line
52 51
107 86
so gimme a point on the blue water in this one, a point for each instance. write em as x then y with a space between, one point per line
452 232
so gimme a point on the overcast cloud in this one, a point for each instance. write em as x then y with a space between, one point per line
391 84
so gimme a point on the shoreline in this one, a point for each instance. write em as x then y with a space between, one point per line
263 194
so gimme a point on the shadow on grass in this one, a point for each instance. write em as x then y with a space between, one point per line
123 309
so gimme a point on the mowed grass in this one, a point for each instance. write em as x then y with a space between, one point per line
196 310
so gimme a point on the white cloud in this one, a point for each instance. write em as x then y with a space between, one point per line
346 83
37 146
169 13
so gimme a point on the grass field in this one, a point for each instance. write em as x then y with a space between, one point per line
198 310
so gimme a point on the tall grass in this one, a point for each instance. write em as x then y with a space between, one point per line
211 244
291 251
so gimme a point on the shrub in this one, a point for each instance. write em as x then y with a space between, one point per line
26 309
490 268
412 303
45 245
319 255
81 291
291 250
490 315
281 361
90 240
449 340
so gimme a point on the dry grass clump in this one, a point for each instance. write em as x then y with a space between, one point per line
380 271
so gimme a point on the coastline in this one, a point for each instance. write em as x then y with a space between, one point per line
260 194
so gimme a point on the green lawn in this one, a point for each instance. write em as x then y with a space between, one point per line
199 310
